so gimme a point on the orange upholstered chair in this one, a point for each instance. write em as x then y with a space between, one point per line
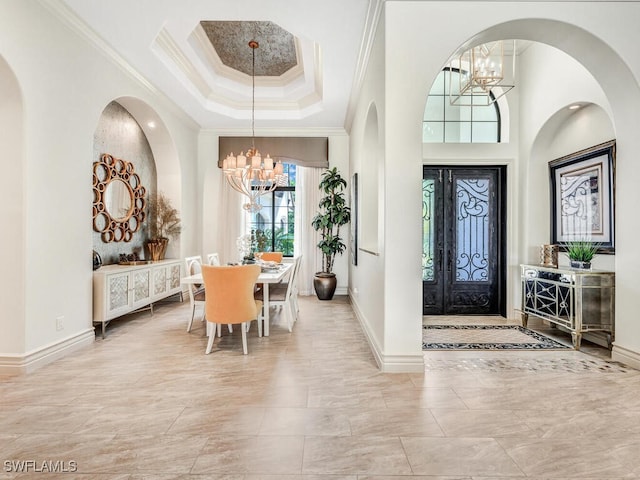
271 257
229 298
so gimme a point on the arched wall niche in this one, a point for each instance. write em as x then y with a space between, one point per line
565 132
147 138
168 167
370 177
12 210
118 134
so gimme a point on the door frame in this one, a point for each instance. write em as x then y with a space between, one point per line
501 223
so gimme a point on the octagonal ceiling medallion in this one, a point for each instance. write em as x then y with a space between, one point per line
274 57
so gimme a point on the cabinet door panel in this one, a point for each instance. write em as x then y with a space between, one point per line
141 287
118 300
159 281
174 277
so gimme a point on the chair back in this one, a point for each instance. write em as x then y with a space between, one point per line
293 277
271 257
213 259
229 293
193 267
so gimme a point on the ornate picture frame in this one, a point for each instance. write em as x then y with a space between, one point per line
583 197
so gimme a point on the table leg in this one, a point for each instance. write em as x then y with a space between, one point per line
576 337
265 306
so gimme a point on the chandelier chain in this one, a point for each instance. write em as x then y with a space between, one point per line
251 175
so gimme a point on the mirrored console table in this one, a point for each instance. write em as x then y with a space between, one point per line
578 300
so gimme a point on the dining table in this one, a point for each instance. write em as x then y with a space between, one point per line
267 277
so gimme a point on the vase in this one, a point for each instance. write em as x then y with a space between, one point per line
97 260
580 265
157 248
549 255
325 285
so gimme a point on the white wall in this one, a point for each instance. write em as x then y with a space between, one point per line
367 278
66 83
12 209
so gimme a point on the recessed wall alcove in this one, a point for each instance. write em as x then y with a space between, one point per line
369 175
119 134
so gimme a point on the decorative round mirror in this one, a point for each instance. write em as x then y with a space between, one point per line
118 199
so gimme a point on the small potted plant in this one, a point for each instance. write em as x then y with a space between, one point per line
333 214
581 252
164 223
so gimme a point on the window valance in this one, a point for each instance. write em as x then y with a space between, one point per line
303 151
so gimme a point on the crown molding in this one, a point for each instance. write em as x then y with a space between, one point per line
69 18
221 98
370 28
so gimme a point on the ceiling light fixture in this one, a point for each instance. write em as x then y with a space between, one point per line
482 71
250 174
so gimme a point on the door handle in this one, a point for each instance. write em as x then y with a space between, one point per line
448 260
440 253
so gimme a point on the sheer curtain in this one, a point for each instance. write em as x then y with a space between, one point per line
232 220
306 238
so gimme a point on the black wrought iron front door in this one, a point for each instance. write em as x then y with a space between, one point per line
463 268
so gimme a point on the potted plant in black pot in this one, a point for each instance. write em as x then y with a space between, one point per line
333 214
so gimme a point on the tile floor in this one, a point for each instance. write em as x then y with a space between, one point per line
146 403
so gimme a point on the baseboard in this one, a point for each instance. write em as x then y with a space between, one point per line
626 356
373 344
342 291
387 363
30 361
403 363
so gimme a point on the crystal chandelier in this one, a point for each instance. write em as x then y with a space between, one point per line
481 75
250 174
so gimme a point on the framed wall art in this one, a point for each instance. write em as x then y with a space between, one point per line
582 197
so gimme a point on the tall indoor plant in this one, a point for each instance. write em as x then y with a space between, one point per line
333 213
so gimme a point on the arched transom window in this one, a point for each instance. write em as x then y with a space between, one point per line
446 123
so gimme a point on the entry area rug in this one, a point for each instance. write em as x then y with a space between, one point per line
485 337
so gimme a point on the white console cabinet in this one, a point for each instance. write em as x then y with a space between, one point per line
122 289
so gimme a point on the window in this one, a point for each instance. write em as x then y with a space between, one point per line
445 123
273 225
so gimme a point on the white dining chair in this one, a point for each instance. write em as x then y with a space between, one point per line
213 259
282 296
196 291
